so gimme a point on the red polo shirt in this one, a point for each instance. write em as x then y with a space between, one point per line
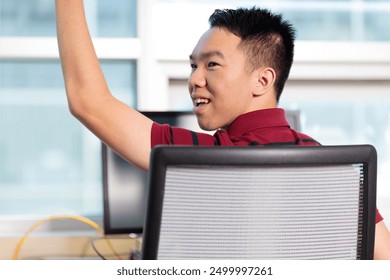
263 127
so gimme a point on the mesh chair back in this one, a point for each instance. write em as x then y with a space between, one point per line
268 203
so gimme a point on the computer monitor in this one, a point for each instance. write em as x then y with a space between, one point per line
294 119
125 186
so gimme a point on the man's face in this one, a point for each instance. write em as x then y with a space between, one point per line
220 85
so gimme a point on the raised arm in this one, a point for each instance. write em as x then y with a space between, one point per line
121 127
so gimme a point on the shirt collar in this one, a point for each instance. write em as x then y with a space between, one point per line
257 119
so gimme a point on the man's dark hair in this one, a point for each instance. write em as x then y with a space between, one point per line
266 38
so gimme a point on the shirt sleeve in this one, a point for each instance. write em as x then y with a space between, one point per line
379 217
163 134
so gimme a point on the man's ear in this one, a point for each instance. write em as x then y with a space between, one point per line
265 81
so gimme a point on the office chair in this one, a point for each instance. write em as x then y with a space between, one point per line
286 202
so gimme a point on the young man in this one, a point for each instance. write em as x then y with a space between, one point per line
239 68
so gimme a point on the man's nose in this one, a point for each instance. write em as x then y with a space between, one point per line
197 78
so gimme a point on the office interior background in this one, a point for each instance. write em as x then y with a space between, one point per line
50 164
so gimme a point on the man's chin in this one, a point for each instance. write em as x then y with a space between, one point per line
208 126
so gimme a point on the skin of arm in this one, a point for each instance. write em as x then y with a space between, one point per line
121 127
382 242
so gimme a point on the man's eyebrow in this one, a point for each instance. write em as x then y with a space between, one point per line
207 55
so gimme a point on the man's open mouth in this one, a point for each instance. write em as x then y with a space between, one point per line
201 101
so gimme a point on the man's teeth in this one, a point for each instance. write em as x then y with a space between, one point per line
199 101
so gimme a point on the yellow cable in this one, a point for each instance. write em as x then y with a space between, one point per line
52 218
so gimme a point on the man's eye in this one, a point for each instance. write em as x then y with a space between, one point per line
193 66
212 64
